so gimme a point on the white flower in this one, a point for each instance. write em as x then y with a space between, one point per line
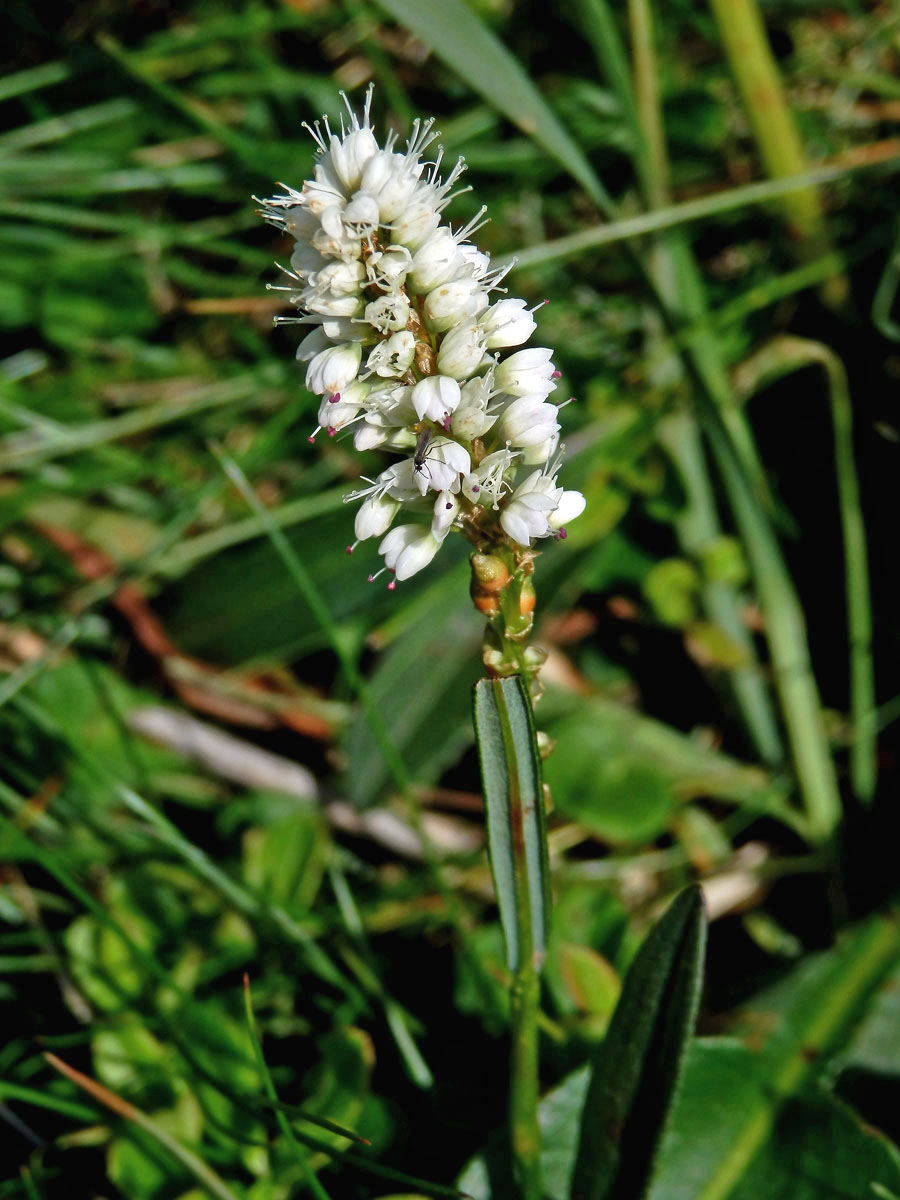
409 548
393 356
445 462
527 421
526 516
388 314
488 483
435 397
406 347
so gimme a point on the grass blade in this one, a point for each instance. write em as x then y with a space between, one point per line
457 36
204 1175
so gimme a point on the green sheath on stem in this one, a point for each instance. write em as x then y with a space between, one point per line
517 846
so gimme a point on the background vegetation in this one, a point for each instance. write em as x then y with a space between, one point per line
226 755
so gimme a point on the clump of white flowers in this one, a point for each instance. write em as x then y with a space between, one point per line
408 349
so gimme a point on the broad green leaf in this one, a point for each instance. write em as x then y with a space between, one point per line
636 1070
737 1088
514 807
815 1148
875 1047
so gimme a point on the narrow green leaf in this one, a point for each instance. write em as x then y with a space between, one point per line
514 804
637 1068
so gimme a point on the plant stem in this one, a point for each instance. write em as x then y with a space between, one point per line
782 355
775 133
523 1096
672 267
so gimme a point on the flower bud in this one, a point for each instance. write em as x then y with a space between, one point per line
454 302
348 156
362 210
389 178
526 373
471 418
436 261
333 369
375 516
507 323
527 421
461 352
489 573
408 548
571 505
416 223
446 510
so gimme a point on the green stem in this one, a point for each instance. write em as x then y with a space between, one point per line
785 624
672 267
786 354
523 1097
755 71
698 525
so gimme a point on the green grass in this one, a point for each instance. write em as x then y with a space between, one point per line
169 539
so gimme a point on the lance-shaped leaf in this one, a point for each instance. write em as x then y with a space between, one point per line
514 805
637 1068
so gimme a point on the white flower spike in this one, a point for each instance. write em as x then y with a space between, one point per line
408 348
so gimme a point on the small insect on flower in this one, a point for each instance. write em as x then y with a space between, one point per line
421 452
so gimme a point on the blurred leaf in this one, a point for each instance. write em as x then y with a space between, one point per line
672 587
84 300
286 858
592 985
637 1068
621 774
875 1046
421 686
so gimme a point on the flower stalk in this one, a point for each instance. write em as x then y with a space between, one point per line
411 352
